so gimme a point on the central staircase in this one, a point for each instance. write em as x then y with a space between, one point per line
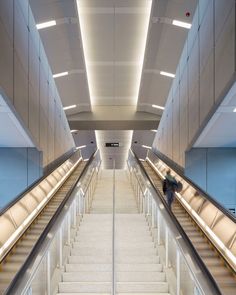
137 266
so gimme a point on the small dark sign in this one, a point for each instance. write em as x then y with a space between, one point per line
112 144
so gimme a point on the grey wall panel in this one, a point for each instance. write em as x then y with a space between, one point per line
193 112
225 55
21 99
6 63
21 35
6 16
34 113
23 5
33 65
43 91
206 35
194 32
207 88
223 9
202 8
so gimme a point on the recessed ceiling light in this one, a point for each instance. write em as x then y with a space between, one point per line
72 131
70 107
142 160
153 130
86 160
80 147
147 147
157 107
234 110
178 23
48 24
167 74
60 74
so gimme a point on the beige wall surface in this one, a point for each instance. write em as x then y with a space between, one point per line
26 79
204 74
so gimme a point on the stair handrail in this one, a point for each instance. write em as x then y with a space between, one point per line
192 250
24 276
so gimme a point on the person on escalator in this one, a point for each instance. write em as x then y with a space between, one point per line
170 186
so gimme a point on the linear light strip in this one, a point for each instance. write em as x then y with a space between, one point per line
44 25
181 24
60 74
69 107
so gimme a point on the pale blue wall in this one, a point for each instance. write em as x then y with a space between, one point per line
214 170
19 167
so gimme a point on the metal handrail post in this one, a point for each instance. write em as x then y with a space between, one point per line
113 234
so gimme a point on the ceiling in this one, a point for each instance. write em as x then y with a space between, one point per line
121 62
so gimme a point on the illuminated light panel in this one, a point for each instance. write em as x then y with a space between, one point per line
178 23
81 147
89 44
72 131
142 160
167 74
44 25
69 107
86 160
60 74
146 147
234 110
153 130
157 107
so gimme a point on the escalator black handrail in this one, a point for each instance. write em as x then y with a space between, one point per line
58 163
195 186
34 252
194 253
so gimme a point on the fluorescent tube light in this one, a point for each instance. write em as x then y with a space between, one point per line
181 24
147 147
80 147
234 110
153 130
167 74
86 160
157 107
60 74
70 107
48 24
72 131
142 160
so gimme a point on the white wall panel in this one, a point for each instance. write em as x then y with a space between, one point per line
21 35
225 55
206 35
21 99
207 88
193 66
34 113
193 112
6 16
6 63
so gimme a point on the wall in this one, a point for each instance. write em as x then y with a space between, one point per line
204 75
214 169
20 167
26 79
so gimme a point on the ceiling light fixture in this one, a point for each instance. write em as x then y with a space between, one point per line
234 110
48 24
146 147
167 74
178 23
153 130
157 107
60 74
81 147
69 107
72 131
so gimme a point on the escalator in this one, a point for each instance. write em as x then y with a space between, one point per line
222 272
19 251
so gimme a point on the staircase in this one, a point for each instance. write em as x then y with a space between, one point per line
137 266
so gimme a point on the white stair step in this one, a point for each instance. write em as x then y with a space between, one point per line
116 293
140 276
90 259
139 267
142 287
137 259
96 287
88 267
91 251
87 276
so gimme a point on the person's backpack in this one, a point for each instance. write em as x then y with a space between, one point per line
179 187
